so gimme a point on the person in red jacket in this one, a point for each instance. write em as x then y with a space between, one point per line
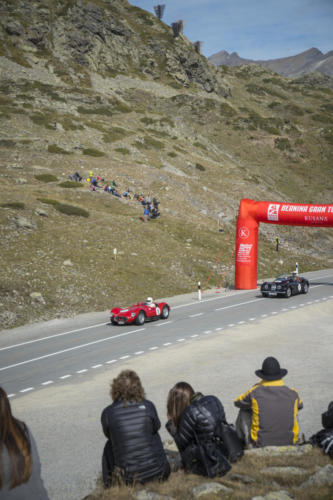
134 451
268 411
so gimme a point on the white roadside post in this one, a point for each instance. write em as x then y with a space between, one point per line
115 253
296 268
199 290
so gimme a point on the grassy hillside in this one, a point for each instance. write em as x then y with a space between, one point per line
198 148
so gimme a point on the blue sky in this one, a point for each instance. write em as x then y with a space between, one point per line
255 29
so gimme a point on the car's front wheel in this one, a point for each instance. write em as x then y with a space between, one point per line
140 319
288 292
113 321
165 312
305 288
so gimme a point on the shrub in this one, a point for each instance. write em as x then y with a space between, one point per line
227 110
7 143
149 142
93 152
70 184
200 167
172 154
46 177
95 111
71 210
199 145
48 201
43 120
14 204
282 144
53 148
123 151
147 120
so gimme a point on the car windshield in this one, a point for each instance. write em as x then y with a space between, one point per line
282 277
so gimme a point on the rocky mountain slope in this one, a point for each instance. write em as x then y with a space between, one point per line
309 61
104 86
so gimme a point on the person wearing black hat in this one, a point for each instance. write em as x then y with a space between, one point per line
268 411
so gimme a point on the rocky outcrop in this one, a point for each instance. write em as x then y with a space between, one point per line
105 38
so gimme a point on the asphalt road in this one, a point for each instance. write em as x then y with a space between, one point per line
58 373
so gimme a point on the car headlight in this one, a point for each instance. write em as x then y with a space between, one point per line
132 315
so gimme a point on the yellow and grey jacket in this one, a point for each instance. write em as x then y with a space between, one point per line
274 409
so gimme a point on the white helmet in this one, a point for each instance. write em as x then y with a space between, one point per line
149 300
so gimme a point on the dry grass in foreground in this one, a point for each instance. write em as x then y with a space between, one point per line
180 486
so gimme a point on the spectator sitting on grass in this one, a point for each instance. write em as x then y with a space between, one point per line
268 411
20 468
134 451
324 437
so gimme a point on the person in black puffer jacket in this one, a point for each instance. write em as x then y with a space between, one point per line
324 438
134 450
193 421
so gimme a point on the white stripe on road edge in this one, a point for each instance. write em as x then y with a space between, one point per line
82 371
195 335
167 343
111 361
65 376
48 382
252 319
11 395
208 331
153 348
70 349
52 336
231 325
97 366
125 357
219 329
138 353
27 389
180 340
241 323
237 305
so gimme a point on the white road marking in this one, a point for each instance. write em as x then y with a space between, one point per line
11 395
138 353
317 300
310 302
293 307
63 377
180 340
274 312
167 343
27 389
53 336
252 319
111 361
208 331
70 349
195 315
97 366
195 335
82 371
284 309
153 348
48 382
219 329
125 357
164 323
231 325
264 315
241 322
237 305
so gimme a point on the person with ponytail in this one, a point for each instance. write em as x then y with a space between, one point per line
20 469
193 422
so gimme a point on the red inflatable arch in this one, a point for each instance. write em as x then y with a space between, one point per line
251 213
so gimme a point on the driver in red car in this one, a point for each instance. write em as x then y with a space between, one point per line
149 302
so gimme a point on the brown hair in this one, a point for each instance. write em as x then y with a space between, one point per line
127 387
178 399
14 436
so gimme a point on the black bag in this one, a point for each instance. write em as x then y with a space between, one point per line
231 443
205 459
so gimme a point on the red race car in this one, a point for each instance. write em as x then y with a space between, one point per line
139 313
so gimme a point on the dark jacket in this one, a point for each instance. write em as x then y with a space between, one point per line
274 409
136 444
34 488
199 425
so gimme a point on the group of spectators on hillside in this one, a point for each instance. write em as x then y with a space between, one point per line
134 451
150 206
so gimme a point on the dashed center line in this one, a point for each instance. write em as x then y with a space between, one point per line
195 315
27 389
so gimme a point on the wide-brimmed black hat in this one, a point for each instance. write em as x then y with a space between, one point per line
271 370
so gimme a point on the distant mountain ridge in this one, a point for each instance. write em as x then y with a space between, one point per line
306 62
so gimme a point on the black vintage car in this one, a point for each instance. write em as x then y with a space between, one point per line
285 285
